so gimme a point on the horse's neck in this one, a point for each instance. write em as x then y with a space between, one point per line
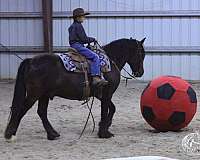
119 65
118 59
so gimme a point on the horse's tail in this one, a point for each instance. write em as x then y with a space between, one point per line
18 98
20 87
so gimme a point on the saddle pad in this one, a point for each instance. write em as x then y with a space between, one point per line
72 65
67 62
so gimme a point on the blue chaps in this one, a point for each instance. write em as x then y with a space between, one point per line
90 55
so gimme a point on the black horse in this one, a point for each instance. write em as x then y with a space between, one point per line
43 77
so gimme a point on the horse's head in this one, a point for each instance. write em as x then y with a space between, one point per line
129 51
136 57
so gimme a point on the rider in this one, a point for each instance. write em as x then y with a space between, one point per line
77 39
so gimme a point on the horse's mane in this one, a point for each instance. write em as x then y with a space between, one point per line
119 50
122 41
117 45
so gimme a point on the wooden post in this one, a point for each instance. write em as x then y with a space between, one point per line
47 25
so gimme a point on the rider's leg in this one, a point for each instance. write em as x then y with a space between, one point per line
95 65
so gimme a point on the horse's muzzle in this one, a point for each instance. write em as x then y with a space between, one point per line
138 74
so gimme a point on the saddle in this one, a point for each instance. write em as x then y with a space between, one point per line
79 60
75 62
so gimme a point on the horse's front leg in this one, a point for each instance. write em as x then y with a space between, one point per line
111 113
105 119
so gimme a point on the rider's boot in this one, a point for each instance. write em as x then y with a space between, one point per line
97 81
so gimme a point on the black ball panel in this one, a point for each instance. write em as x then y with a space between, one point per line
148 113
177 118
165 91
192 95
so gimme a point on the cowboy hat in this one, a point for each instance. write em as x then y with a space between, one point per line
79 12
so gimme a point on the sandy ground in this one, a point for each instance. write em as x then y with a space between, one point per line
133 137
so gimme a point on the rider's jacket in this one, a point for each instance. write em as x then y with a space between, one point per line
77 34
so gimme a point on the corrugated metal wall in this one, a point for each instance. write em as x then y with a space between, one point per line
21 32
18 32
167 31
161 21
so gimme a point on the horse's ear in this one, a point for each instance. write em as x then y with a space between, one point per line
131 38
142 41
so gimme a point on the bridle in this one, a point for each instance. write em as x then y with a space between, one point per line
139 49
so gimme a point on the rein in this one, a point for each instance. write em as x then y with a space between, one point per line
7 49
127 78
86 101
90 113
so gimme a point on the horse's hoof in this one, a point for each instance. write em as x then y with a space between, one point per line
12 139
53 136
106 134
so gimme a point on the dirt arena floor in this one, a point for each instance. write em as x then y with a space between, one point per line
133 137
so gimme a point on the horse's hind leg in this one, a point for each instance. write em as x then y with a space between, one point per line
16 115
42 112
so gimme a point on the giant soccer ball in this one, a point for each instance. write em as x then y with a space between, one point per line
168 103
